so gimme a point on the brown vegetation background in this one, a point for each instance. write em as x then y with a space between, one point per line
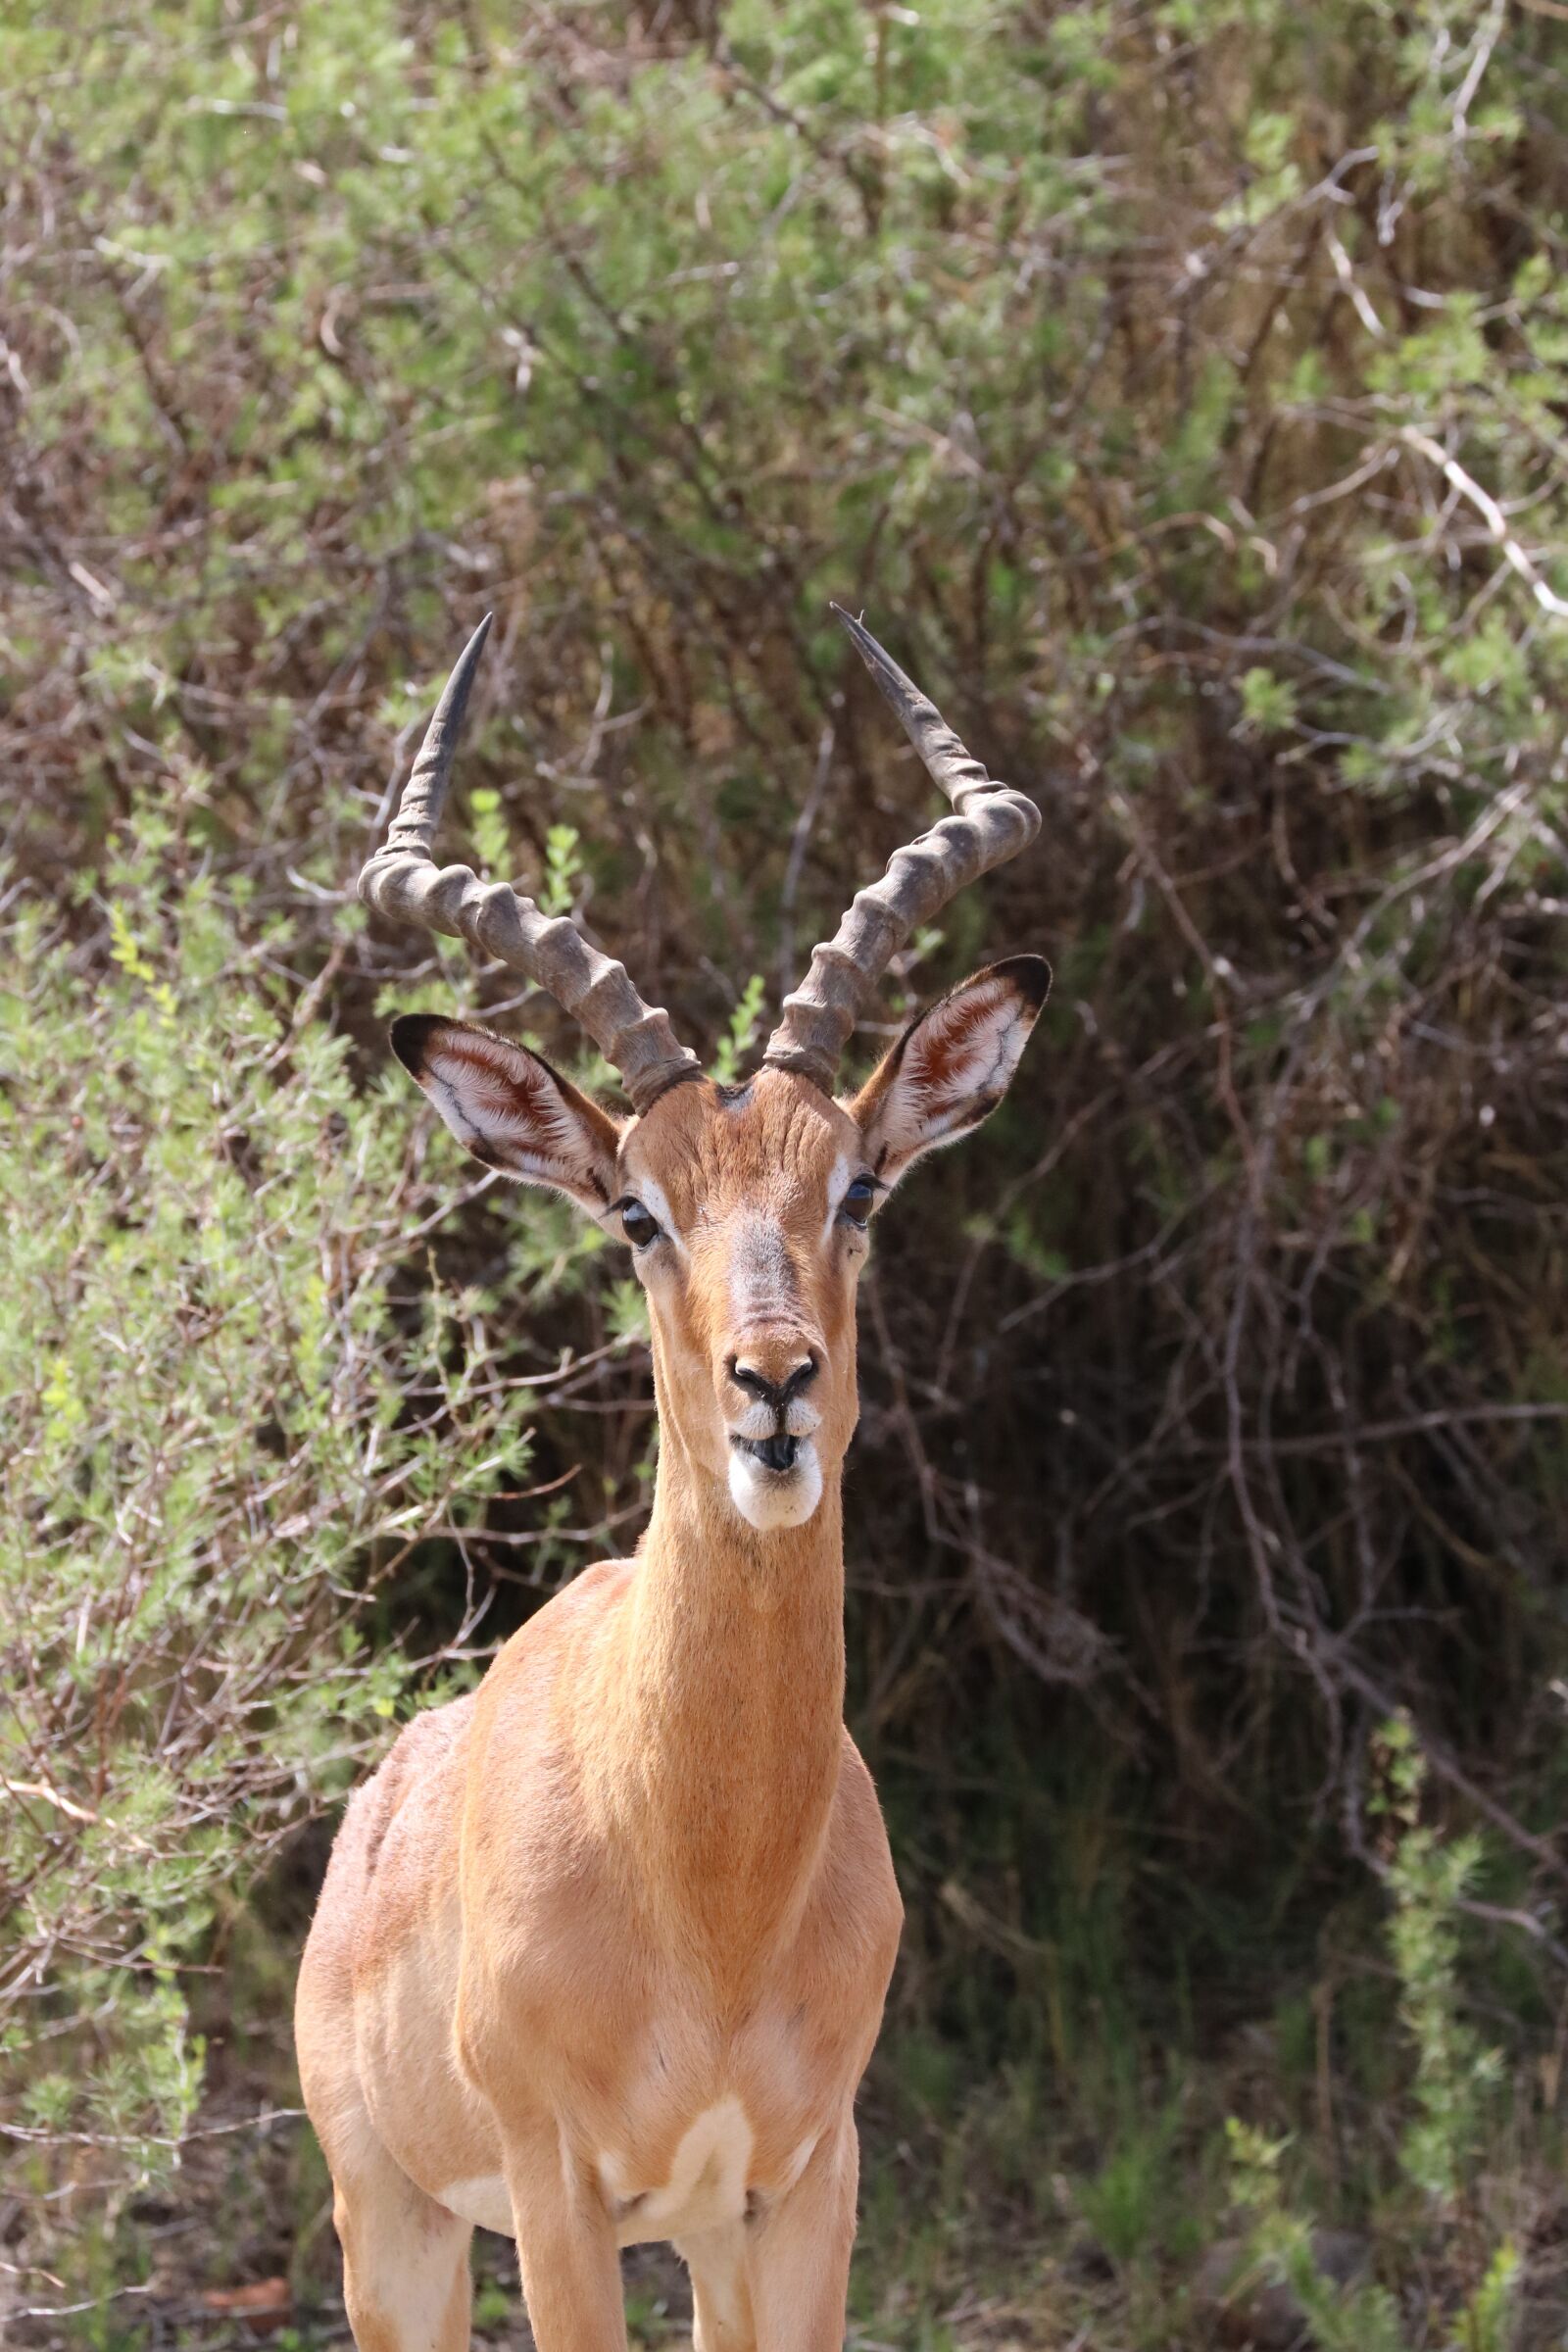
1180 388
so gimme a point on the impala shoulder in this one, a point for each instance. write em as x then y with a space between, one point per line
397 1841
857 1788
575 1609
556 1634
859 1854
413 1771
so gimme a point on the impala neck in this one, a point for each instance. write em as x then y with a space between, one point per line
729 1710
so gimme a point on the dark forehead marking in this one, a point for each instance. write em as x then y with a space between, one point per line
732 1097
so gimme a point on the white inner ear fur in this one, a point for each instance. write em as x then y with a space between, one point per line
955 1065
505 1106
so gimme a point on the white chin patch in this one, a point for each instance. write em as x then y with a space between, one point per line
768 1499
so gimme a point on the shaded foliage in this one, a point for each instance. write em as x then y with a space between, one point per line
1180 389
231 1392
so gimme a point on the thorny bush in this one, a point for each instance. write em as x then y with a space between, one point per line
1180 387
234 1402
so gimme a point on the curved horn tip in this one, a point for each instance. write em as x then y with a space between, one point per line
896 684
420 804
455 693
860 636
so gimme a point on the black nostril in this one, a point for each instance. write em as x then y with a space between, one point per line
778 1394
800 1378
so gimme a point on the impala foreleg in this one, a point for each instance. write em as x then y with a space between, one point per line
405 2279
800 2252
565 2248
721 2296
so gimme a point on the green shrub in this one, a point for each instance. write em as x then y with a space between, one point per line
232 1398
1179 384
1454 2087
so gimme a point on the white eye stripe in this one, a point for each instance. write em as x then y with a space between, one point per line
838 1184
651 1193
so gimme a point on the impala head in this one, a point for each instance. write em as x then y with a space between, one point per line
746 1207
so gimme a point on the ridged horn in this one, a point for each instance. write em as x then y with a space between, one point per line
990 823
403 882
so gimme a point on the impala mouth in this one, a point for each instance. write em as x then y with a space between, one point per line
774 1482
779 1454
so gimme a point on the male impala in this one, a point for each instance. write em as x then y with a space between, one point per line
602 1951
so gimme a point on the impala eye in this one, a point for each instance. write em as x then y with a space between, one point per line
856 1202
637 1225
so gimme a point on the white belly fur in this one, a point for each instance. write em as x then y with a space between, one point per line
482 2200
707 2184
706 2189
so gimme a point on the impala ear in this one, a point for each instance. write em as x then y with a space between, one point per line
952 1066
511 1109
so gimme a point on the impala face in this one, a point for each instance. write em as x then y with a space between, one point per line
746 1212
746 1209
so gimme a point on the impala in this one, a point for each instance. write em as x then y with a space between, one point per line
603 1947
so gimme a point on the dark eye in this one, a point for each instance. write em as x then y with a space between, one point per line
637 1225
856 1202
